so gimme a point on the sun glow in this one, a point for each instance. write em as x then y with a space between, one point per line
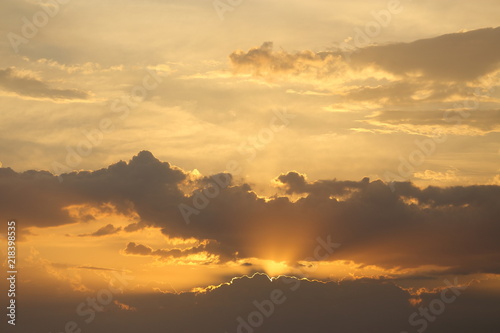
275 268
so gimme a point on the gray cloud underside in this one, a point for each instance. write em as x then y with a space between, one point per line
452 57
364 305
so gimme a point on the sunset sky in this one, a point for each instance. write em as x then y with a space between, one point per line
345 153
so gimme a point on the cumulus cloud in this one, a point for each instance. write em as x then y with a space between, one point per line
397 225
14 81
144 182
264 60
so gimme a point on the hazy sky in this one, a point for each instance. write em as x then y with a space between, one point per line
190 143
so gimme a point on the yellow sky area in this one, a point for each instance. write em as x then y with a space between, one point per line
68 251
65 253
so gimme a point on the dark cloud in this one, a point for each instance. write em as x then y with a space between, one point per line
134 227
104 231
296 183
209 247
391 225
93 268
98 268
38 197
11 80
138 249
284 304
460 56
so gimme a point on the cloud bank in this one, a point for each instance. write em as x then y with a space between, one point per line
389 225
284 304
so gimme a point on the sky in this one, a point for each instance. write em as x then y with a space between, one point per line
251 166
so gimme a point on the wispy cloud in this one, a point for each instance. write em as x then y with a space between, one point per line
12 80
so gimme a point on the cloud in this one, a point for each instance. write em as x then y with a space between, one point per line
67 266
443 69
13 80
144 182
138 249
98 268
104 231
297 183
436 175
462 56
205 248
134 227
264 60
284 304
451 227
468 122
